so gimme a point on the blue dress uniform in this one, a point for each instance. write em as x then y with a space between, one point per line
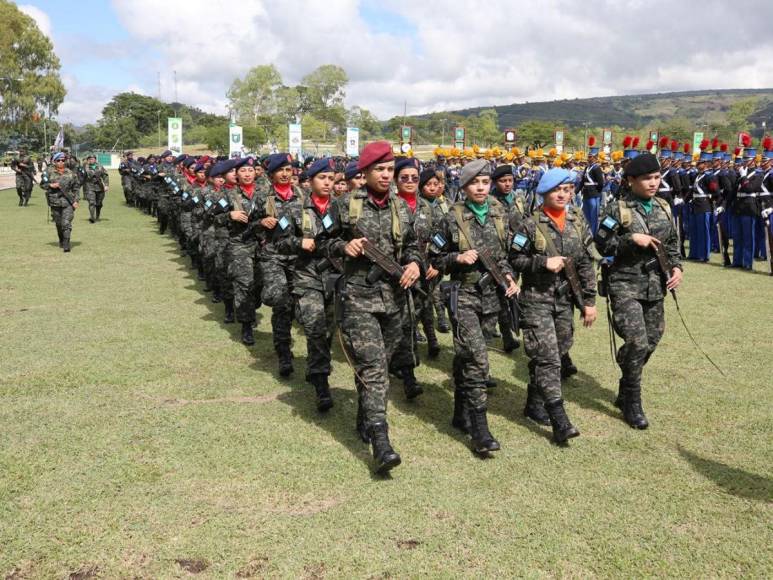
592 186
764 202
703 189
744 217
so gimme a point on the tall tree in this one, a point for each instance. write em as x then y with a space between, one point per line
325 93
253 98
29 70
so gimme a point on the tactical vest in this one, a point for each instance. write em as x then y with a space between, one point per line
355 212
540 239
496 215
626 209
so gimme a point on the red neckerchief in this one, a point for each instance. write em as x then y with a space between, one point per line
410 199
201 182
284 190
248 189
320 202
557 216
229 185
380 199
191 177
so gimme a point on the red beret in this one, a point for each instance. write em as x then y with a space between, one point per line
375 152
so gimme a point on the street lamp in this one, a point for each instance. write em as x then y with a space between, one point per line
158 120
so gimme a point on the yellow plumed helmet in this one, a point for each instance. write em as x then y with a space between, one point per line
509 156
617 155
475 149
695 156
469 152
553 152
437 152
565 156
455 152
515 151
557 162
532 154
602 156
540 153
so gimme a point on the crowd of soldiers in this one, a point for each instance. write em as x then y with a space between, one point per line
369 248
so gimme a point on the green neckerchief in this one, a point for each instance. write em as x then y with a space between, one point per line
479 209
646 205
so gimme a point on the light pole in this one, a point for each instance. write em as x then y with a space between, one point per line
158 121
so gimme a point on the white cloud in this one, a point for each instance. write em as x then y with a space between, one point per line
463 53
40 17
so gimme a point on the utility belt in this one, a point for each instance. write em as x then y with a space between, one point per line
742 195
699 195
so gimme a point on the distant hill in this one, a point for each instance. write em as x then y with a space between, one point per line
634 110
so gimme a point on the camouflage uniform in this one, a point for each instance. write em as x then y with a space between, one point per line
277 269
476 307
95 183
373 312
313 300
125 170
61 200
25 169
636 284
241 259
163 197
547 307
433 211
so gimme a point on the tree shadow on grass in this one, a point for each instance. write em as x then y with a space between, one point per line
584 390
734 481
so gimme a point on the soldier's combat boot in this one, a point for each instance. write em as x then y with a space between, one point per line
509 342
200 273
229 310
322 388
92 214
66 242
361 427
216 297
620 400
61 236
247 336
410 384
490 382
535 407
567 367
384 456
418 336
461 418
433 346
162 223
442 322
482 439
285 359
632 410
563 430
99 212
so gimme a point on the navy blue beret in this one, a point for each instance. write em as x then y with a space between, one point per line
222 167
406 163
189 161
425 176
324 165
166 153
278 160
351 171
242 161
180 158
501 171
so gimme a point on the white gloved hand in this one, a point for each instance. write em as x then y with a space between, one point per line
766 213
678 201
719 210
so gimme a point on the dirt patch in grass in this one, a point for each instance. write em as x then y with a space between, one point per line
253 568
314 571
194 566
408 544
84 573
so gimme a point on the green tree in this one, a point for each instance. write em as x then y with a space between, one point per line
369 125
29 70
536 133
488 128
253 100
325 94
739 113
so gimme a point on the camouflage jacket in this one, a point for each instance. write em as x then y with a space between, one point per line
515 209
311 268
448 242
269 204
634 271
529 253
395 239
239 201
96 178
216 208
67 192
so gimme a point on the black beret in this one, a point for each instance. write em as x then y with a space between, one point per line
425 176
641 165
501 171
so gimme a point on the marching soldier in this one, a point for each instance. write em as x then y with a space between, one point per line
592 186
25 172
62 186
473 231
308 240
373 301
632 230
551 250
125 169
95 186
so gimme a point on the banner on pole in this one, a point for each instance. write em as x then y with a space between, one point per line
352 141
697 137
175 135
235 144
295 138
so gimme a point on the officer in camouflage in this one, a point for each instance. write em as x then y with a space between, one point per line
61 187
631 230
554 238
95 186
476 225
373 304
25 172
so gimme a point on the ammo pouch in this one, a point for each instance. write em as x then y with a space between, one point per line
603 281
375 273
651 265
449 292
331 283
484 282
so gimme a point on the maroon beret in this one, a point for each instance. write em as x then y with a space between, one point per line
375 152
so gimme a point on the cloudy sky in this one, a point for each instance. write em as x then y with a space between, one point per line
434 55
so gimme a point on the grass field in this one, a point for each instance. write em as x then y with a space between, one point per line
140 439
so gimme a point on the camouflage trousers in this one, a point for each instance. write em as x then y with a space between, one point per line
241 274
24 187
315 314
470 366
126 186
371 339
186 228
407 353
548 334
641 324
96 199
63 217
220 263
277 293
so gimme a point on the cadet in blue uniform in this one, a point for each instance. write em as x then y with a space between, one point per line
592 186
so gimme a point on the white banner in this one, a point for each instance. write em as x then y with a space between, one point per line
175 135
235 144
295 138
352 141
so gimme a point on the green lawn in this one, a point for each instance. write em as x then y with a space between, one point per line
141 439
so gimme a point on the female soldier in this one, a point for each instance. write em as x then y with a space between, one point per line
632 230
477 225
241 246
61 186
308 238
547 248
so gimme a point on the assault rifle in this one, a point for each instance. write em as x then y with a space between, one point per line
386 264
495 274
